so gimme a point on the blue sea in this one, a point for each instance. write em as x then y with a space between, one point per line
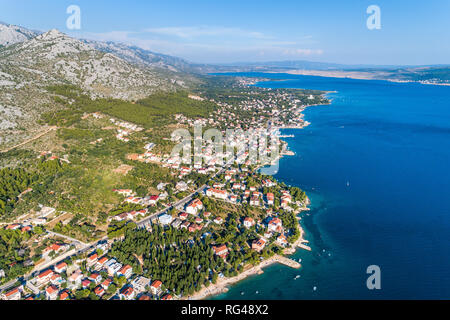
376 165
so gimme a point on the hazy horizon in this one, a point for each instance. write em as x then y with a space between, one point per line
235 32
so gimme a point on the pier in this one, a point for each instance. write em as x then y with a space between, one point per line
287 136
287 262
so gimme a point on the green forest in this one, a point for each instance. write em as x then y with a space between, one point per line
12 254
13 182
156 110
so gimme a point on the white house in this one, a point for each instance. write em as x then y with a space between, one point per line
140 284
220 194
165 219
126 271
249 222
156 287
194 207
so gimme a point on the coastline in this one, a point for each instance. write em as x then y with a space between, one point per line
357 75
222 285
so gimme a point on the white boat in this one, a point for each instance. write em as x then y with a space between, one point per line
296 277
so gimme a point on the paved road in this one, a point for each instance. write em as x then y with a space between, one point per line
183 201
89 246
178 204
38 269
73 240
8 285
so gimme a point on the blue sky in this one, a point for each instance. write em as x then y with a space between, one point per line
212 31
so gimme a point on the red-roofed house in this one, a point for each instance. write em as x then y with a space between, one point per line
51 292
183 216
74 281
99 291
194 207
218 220
282 240
275 225
270 198
249 222
26 228
127 293
44 277
64 295
56 248
258 245
56 279
126 271
156 287
96 277
101 262
13 294
221 251
153 200
106 283
85 283
91 260
61 267
207 214
221 194
13 226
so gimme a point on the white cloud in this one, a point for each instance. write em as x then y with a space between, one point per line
212 44
206 31
302 52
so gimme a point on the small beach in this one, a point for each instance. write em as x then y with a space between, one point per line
222 284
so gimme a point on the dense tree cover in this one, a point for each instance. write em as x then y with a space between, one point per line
183 266
125 207
13 182
185 261
297 194
12 253
154 111
178 102
118 228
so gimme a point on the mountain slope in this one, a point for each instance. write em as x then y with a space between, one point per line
11 34
54 57
29 67
142 57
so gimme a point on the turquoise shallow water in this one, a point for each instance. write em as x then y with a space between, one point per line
376 165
